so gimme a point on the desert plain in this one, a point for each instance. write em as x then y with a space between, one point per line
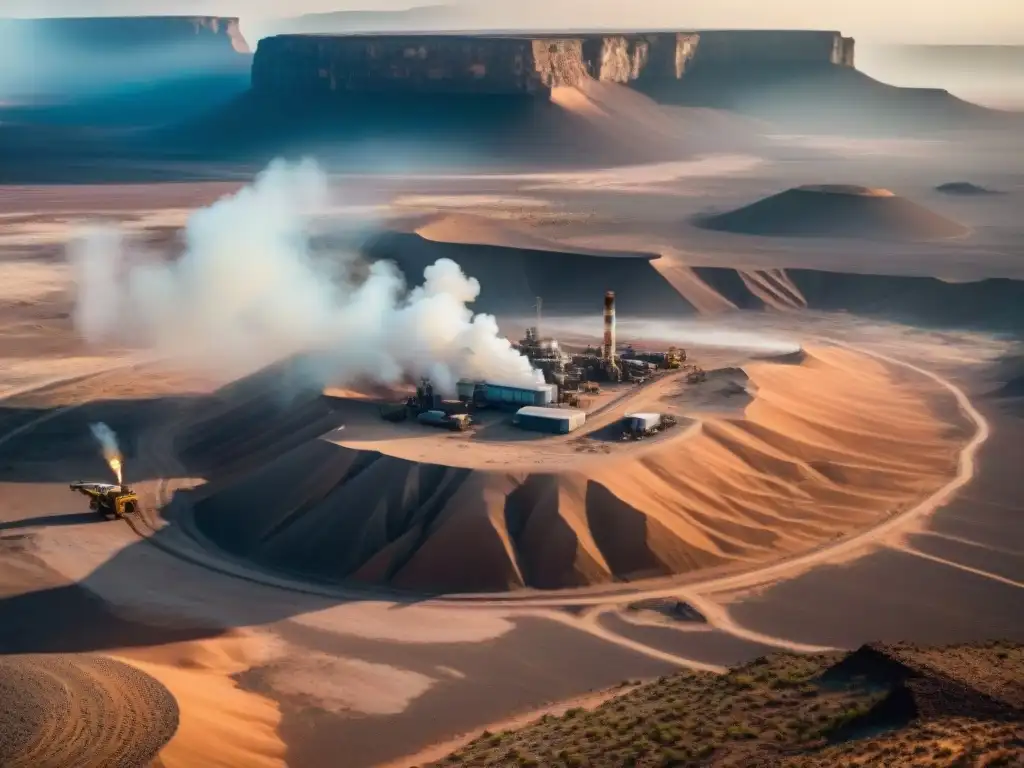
311 586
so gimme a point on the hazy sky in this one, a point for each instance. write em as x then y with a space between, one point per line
925 21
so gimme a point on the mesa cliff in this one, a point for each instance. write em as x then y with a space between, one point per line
290 65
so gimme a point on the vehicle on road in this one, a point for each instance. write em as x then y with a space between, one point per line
108 499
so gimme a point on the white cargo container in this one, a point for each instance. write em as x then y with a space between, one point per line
558 421
641 422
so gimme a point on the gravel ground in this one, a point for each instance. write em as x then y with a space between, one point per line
81 710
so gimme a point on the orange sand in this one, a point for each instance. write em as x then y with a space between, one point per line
827 446
222 726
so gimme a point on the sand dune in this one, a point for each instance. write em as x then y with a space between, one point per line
705 299
828 445
628 117
61 710
835 211
478 230
625 116
222 726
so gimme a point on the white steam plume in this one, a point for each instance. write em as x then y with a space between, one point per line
740 340
247 292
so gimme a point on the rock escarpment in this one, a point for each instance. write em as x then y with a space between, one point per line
522 64
766 47
463 63
312 64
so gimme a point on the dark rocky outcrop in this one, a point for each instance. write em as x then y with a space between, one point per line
473 64
290 65
524 63
672 608
924 685
769 47
965 188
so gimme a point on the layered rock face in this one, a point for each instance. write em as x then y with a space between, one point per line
768 47
844 52
612 58
521 65
462 64
311 64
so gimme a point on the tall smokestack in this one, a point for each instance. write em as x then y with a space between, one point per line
608 350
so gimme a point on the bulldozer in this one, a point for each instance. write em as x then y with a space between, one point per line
572 399
674 358
696 376
108 499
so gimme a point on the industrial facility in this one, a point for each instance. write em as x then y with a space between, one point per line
672 359
558 405
570 371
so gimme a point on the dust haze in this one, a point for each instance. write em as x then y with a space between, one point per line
688 332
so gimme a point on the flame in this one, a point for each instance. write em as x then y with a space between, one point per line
115 466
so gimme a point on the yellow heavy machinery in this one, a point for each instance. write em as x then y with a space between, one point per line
108 499
670 360
572 399
674 358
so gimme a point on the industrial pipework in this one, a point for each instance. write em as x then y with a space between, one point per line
608 350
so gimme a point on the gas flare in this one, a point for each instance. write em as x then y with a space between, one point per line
111 452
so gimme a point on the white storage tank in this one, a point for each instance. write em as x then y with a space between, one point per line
556 421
